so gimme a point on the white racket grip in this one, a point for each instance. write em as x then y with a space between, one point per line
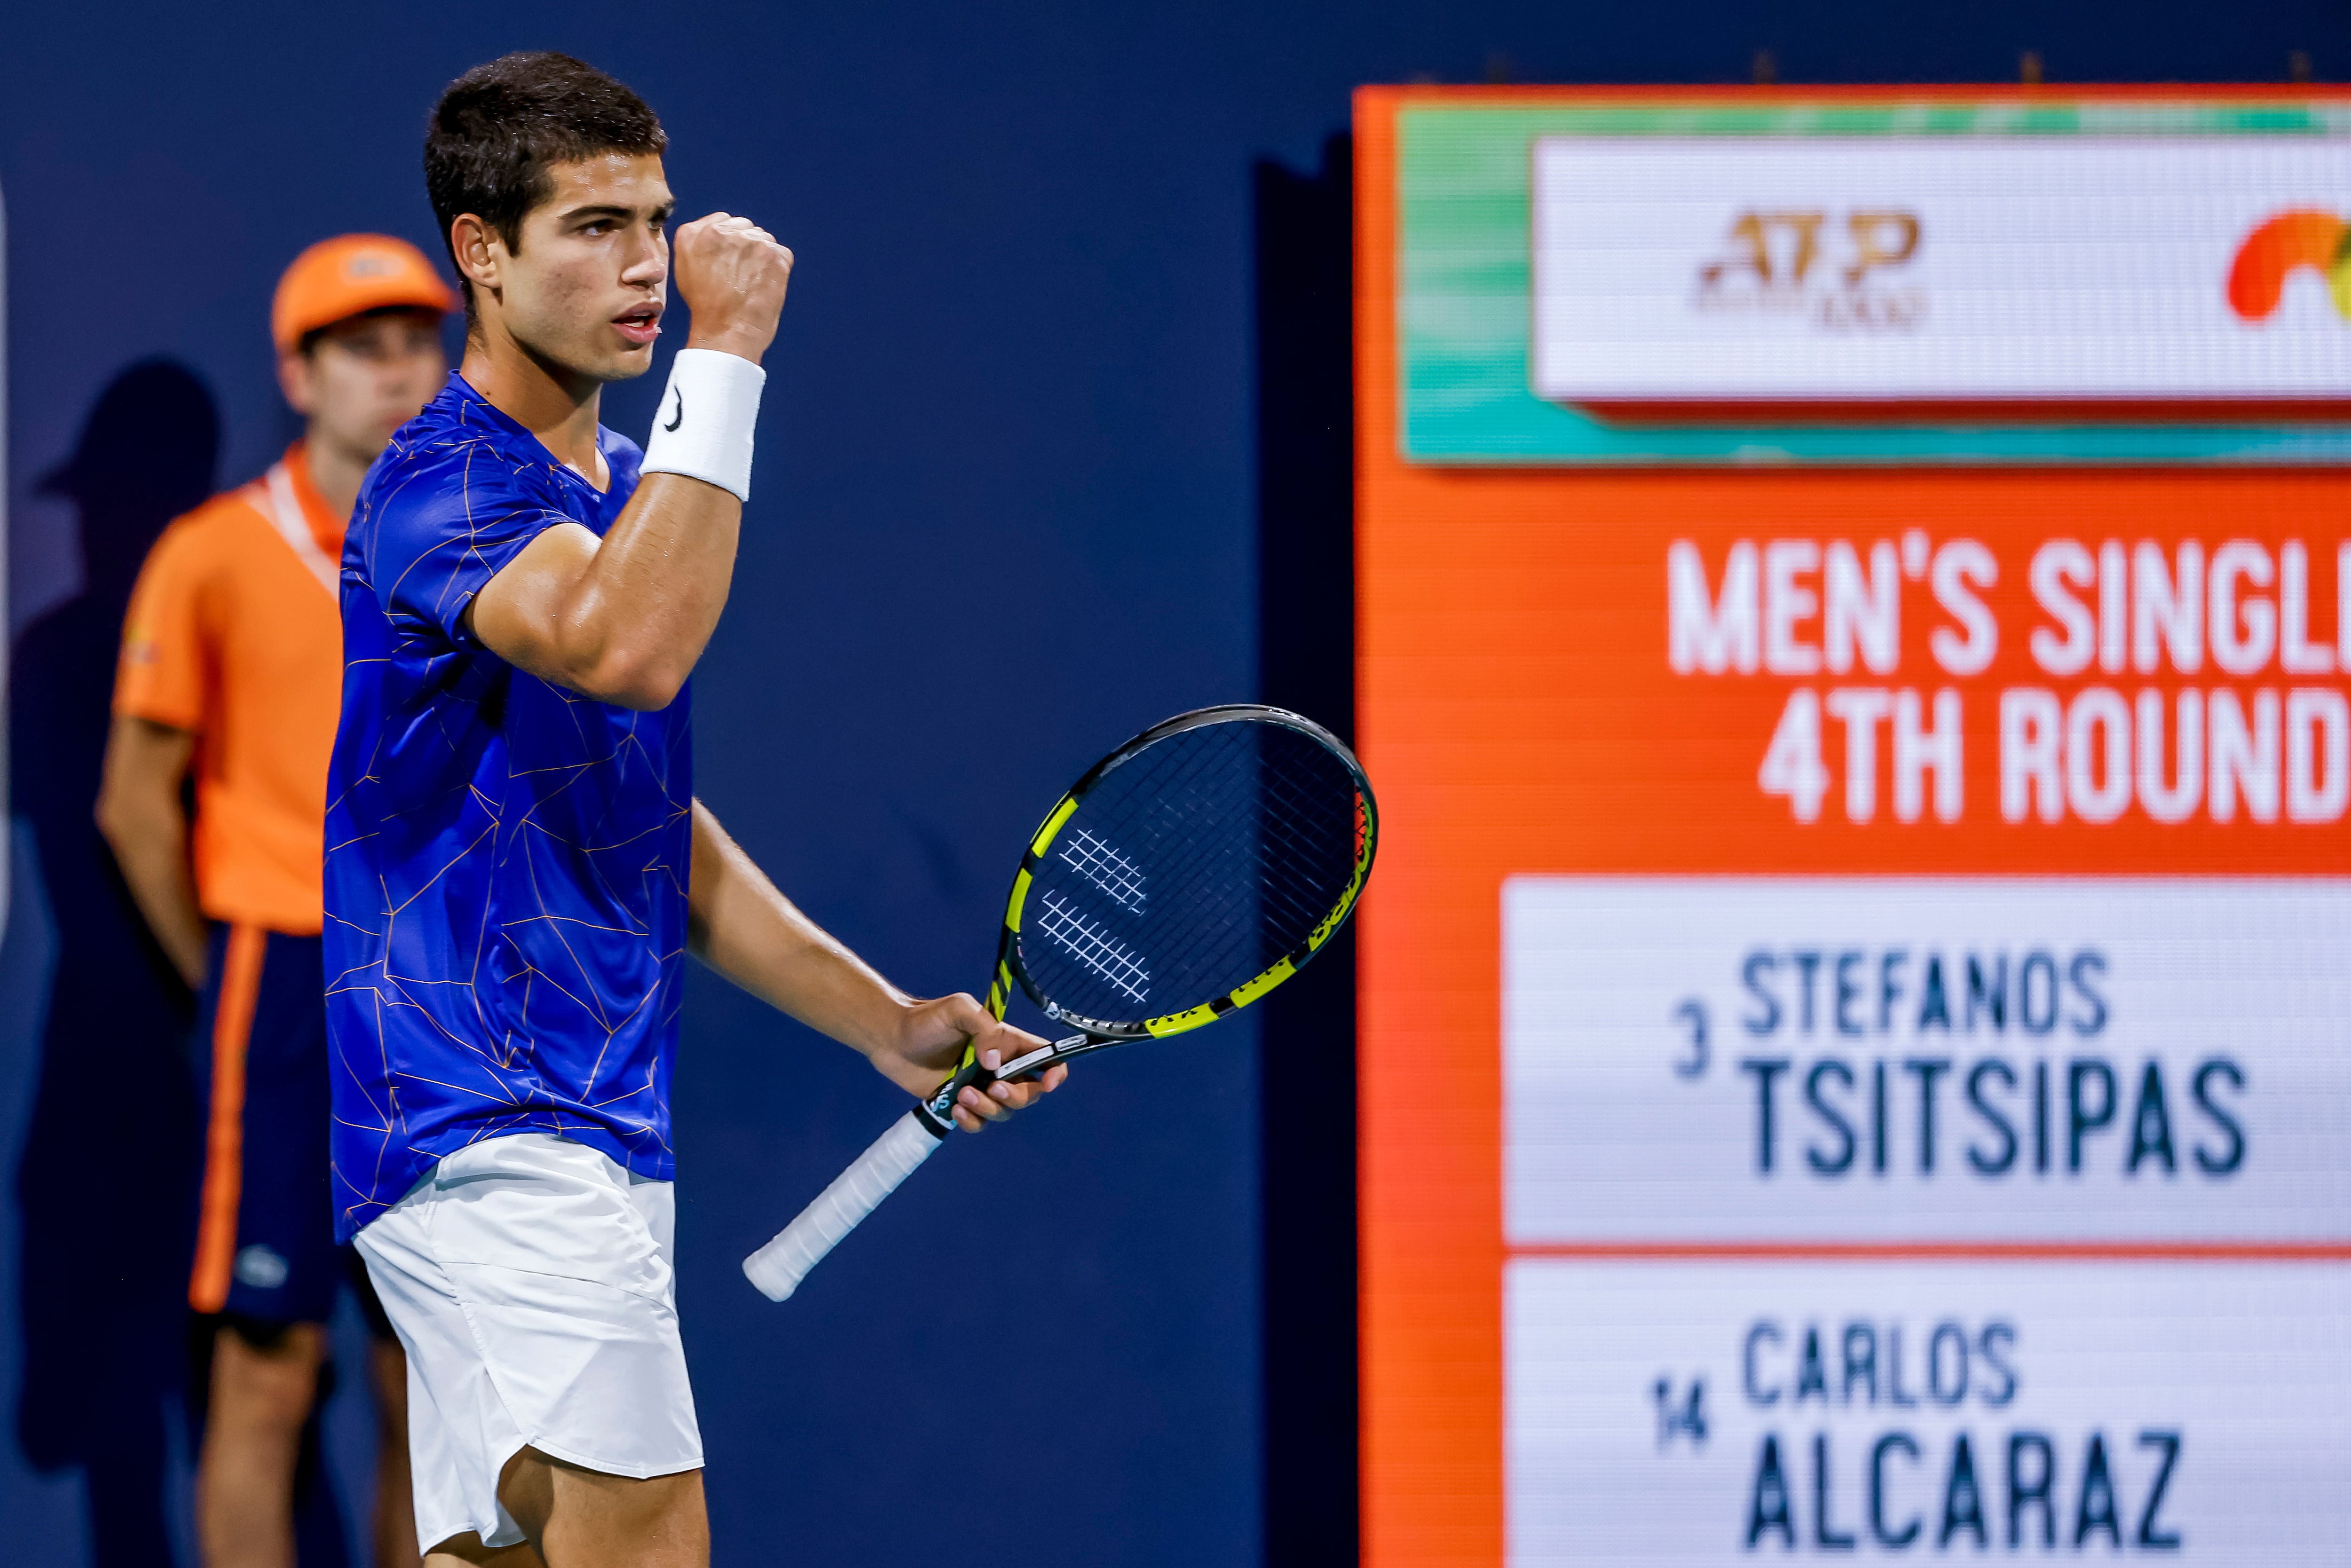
778 1268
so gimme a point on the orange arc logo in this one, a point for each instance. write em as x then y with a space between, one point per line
2302 237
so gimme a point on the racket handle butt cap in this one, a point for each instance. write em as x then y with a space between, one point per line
777 1269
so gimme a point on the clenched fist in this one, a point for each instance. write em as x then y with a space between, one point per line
732 275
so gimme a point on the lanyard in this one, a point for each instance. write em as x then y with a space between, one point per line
284 513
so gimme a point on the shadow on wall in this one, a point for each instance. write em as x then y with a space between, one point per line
106 1183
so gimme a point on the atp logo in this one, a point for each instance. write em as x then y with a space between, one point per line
1842 272
2273 252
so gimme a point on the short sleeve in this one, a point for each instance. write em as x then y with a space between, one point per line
441 525
165 663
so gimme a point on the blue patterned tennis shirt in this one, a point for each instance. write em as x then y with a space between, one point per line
506 860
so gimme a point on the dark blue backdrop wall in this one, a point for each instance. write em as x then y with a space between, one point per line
1009 512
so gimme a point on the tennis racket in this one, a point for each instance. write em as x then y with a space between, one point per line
1189 872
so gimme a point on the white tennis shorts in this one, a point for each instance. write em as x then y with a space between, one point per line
529 1277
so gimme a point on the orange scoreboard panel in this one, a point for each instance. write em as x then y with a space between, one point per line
1855 655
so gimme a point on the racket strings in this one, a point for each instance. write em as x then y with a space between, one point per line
1310 834
1191 868
1110 959
1285 904
1106 868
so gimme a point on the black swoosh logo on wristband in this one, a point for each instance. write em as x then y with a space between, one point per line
679 417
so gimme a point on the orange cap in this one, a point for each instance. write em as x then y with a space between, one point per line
350 274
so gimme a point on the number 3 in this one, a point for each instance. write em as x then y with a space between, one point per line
1693 1012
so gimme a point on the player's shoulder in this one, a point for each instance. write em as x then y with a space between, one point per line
457 430
459 453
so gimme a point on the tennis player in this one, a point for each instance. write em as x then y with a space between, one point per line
232 667
516 863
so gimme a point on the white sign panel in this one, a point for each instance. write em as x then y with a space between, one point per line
2006 275
1851 1060
1683 1416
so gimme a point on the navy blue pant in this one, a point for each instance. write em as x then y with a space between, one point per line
265 1252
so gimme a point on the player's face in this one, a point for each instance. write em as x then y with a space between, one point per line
587 286
365 378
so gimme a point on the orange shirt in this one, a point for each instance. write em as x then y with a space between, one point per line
235 633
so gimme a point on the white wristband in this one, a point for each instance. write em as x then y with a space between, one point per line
703 427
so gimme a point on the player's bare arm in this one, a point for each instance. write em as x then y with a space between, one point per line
623 620
742 927
140 814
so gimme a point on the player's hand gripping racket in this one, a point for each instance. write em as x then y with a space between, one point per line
1187 874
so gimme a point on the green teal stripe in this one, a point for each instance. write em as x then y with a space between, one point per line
1465 280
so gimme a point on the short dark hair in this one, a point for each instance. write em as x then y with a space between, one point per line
499 129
